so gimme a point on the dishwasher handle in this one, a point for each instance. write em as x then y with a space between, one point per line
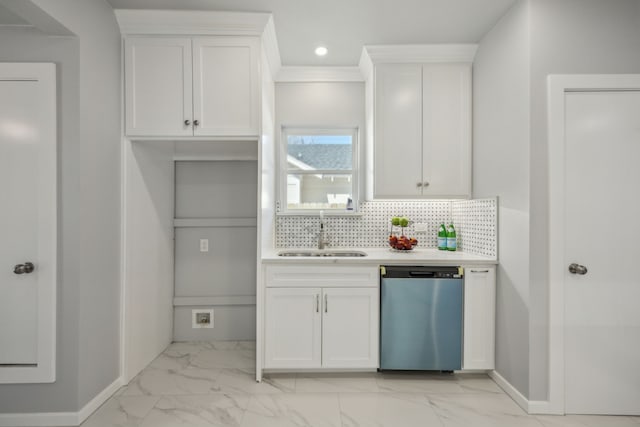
422 274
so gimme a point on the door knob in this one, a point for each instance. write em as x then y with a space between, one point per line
187 122
196 123
25 268
577 269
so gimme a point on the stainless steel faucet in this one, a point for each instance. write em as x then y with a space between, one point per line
322 238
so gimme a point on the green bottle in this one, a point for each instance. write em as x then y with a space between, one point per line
442 237
452 240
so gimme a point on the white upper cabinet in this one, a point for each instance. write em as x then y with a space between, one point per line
183 86
420 108
398 131
226 85
158 88
446 130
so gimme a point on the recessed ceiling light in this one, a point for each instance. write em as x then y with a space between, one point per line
321 51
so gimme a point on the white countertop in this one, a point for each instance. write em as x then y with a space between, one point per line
381 256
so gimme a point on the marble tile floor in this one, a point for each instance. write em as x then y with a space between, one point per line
212 384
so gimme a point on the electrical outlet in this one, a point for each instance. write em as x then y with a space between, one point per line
420 227
204 245
202 318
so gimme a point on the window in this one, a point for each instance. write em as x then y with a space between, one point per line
318 170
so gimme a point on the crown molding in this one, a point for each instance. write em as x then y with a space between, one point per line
190 22
270 47
291 74
412 53
36 18
365 65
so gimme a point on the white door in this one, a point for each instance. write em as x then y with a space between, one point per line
398 131
226 86
158 86
446 121
350 328
27 220
479 318
292 328
602 211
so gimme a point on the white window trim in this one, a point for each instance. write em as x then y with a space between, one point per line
281 202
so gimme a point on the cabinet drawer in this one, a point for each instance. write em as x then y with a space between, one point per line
306 275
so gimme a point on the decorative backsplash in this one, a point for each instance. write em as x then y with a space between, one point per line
475 222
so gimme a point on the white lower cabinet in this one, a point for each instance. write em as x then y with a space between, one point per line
327 317
322 327
293 328
350 328
479 318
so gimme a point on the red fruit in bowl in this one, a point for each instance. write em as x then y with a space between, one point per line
400 246
393 240
414 241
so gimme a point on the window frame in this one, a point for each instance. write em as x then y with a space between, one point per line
283 170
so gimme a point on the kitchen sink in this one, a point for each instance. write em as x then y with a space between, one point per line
311 253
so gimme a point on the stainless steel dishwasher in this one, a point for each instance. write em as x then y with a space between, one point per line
421 318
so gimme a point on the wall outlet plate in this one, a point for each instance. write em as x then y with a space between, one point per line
202 318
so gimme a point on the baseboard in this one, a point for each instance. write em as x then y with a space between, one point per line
517 397
59 419
543 407
97 401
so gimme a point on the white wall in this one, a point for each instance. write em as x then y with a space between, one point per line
501 167
148 246
89 192
322 104
567 37
535 39
266 156
30 46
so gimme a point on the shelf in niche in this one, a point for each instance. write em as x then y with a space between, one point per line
214 222
215 300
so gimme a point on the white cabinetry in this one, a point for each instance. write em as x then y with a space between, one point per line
293 327
422 130
330 326
192 86
479 318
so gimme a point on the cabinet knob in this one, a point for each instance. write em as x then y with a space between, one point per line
25 268
425 184
196 122
187 122
577 269
419 184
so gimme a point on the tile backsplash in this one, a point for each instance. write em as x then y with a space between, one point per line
475 222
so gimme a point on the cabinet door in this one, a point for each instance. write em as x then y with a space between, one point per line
479 318
292 328
398 131
446 120
350 328
226 86
158 87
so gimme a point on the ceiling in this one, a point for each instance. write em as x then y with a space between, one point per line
7 17
345 26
